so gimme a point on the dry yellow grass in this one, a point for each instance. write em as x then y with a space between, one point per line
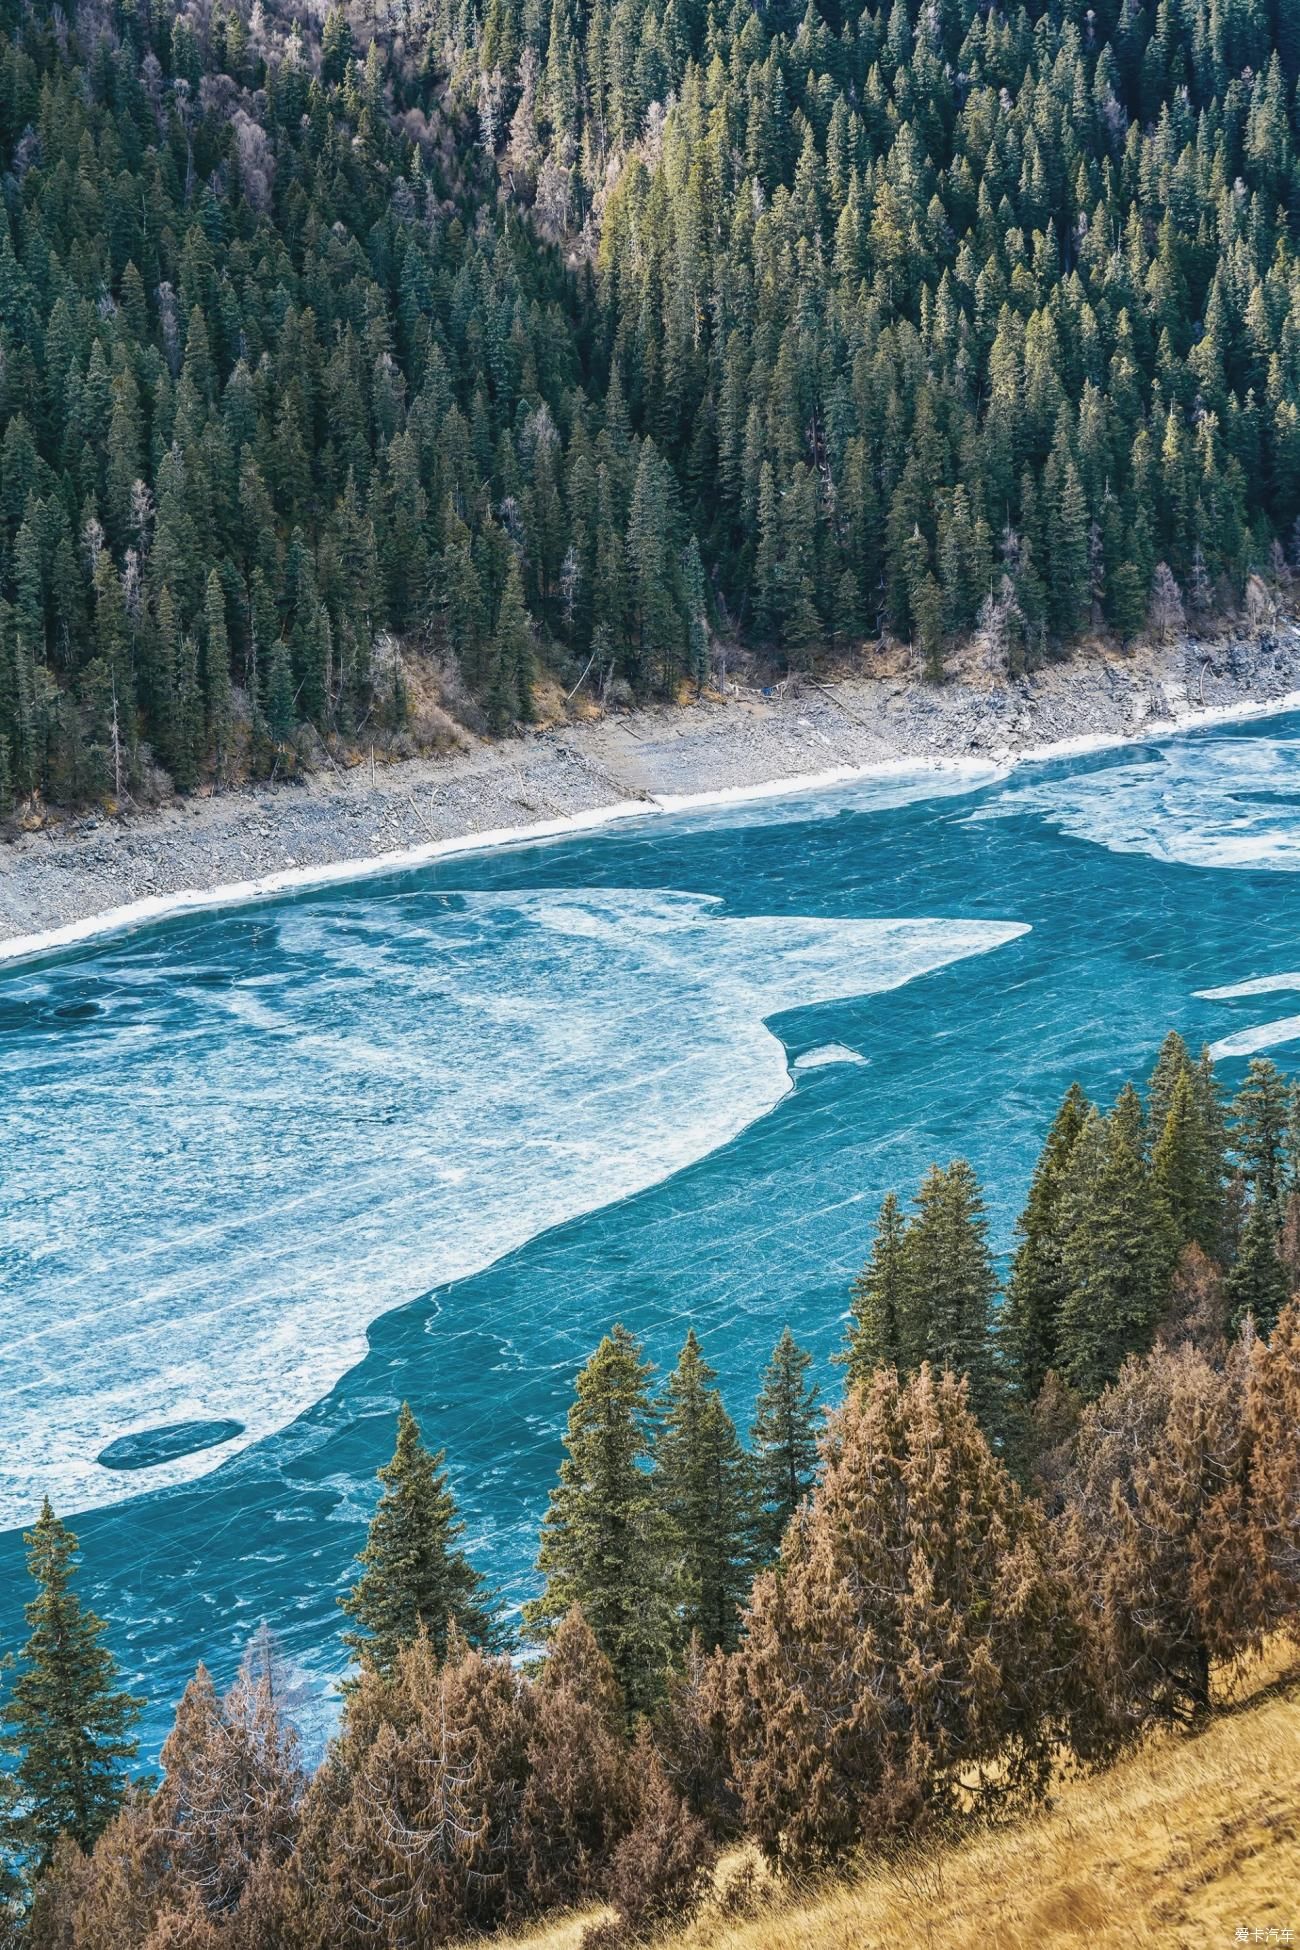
1184 1843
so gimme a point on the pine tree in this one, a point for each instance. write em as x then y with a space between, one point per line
1038 1285
414 1577
784 1438
216 673
605 1546
509 687
1182 1166
1172 1063
950 1285
1118 1256
1261 1115
1214 1131
1127 1121
187 747
67 1722
880 1309
1257 1283
706 1491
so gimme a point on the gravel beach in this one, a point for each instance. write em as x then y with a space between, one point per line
73 870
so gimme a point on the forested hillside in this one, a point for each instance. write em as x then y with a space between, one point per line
551 334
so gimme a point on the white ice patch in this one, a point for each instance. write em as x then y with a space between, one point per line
1258 985
210 1190
1212 802
1263 1035
817 1059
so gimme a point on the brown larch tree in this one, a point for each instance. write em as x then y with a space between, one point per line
1274 1417
1154 1538
579 1798
909 1653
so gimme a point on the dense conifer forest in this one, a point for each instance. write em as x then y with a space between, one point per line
545 337
1033 1529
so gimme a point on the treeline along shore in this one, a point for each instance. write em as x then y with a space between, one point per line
1037 1525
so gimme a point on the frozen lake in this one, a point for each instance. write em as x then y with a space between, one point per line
266 1171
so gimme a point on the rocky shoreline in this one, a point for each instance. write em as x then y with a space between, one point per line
70 872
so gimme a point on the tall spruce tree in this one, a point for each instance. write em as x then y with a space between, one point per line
605 1543
706 1490
879 1310
1038 1285
1118 1255
1184 1167
414 1577
1128 1120
1172 1063
1214 1124
67 1723
216 673
1257 1283
950 1284
784 1439
1261 1120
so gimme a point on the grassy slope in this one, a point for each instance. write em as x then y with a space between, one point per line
1182 1844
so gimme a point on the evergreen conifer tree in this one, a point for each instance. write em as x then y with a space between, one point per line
67 1722
1037 1287
1257 1283
605 1544
1118 1256
880 1310
914 1624
414 1577
1155 1536
1128 1120
216 672
950 1285
1171 1064
784 1438
510 656
1183 1167
1214 1133
706 1491
1261 1116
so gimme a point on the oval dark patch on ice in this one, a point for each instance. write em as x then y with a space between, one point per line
148 1447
